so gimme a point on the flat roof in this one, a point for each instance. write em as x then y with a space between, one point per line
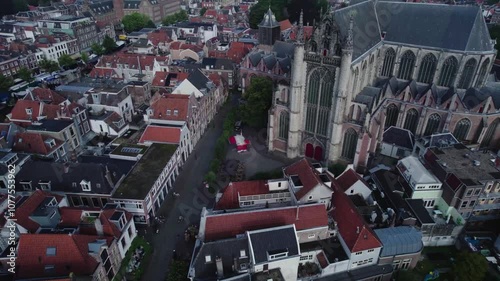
143 175
417 206
129 150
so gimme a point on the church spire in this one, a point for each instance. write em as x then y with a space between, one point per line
300 30
348 44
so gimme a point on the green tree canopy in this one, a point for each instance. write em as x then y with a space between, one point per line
284 9
20 5
109 44
48 65
5 83
495 34
136 21
66 60
177 17
25 74
470 267
85 57
258 98
97 49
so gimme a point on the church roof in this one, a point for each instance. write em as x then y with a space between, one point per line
269 20
459 28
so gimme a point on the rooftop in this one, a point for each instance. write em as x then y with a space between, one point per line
51 125
144 174
418 173
272 241
399 240
331 247
130 150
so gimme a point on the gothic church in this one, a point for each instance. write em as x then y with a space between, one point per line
377 64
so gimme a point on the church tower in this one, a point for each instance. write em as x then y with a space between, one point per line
269 29
297 93
341 94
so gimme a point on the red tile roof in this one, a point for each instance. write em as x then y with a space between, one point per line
307 175
229 225
348 178
357 235
171 102
229 199
211 13
160 79
34 143
103 72
161 134
215 78
132 60
70 217
323 262
29 206
71 255
285 24
108 227
238 50
19 110
158 36
45 95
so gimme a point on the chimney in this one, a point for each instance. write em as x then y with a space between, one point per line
220 268
357 229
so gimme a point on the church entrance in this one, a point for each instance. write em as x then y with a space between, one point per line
309 150
318 153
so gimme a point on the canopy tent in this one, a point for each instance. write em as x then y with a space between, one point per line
240 142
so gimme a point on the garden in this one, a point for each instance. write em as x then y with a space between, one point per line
138 249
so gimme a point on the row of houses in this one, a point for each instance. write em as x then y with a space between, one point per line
312 224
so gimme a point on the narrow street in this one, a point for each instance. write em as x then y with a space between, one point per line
193 197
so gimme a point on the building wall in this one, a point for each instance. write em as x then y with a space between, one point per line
288 267
407 261
313 234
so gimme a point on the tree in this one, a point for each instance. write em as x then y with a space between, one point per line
177 17
25 74
470 267
258 10
258 101
136 21
210 177
85 57
5 83
66 61
20 5
109 44
311 9
495 34
48 65
97 49
203 11
178 271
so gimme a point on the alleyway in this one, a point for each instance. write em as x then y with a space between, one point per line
193 197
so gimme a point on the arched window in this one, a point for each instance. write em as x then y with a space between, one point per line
490 133
391 116
462 129
406 66
388 66
363 75
350 143
467 74
448 72
432 124
482 73
411 120
355 81
284 125
319 101
427 69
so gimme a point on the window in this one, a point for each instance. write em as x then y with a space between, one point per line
462 129
358 253
472 203
391 115
319 101
208 259
427 69
406 264
464 204
176 112
469 192
169 111
490 132
26 185
284 125
85 185
371 251
396 264
350 143
51 251
467 74
406 65
448 72
311 236
411 120
123 242
388 66
482 73
49 269
477 191
432 124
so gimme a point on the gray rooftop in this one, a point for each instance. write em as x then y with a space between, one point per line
273 241
399 240
51 125
269 20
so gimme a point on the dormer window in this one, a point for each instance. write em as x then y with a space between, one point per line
176 112
169 111
208 259
29 111
51 251
278 254
26 185
150 112
85 185
44 185
50 142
